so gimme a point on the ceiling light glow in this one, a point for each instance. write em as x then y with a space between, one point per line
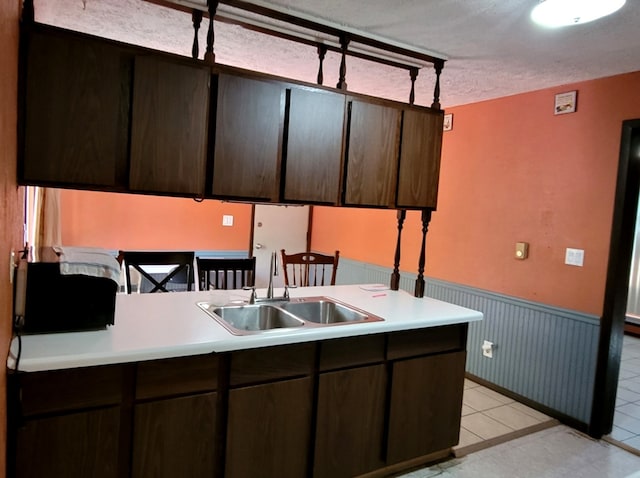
559 13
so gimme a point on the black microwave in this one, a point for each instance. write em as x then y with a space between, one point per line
54 302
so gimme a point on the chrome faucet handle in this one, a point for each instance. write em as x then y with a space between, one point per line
286 295
252 298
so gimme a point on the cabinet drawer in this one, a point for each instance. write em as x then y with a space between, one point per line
60 390
410 343
176 376
351 351
271 363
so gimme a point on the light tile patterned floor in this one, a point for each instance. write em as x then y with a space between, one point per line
557 452
626 421
489 418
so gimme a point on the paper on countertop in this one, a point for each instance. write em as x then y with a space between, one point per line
88 261
374 287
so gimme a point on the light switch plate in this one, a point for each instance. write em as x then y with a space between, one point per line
227 220
574 257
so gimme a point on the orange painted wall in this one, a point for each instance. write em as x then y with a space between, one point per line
11 209
127 221
512 171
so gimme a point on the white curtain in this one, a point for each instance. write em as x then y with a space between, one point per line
43 218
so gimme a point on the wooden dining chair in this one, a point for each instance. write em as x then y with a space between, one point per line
309 268
176 278
226 273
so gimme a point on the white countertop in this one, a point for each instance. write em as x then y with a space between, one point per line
155 326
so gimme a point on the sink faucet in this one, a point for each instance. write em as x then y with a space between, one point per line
273 271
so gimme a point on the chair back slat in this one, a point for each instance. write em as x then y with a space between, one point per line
309 268
180 277
226 273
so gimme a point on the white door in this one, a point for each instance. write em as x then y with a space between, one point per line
276 228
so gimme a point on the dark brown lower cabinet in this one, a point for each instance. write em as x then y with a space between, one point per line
350 422
175 437
77 445
269 430
426 399
332 408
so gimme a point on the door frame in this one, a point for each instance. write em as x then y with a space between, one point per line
617 282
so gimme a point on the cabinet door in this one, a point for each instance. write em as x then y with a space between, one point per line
169 127
175 437
314 146
249 122
269 430
350 422
426 403
373 137
420 158
76 112
77 445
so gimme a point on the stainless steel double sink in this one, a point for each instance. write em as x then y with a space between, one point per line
245 319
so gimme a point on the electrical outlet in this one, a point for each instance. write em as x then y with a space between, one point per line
487 349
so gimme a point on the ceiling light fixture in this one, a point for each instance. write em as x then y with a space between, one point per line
560 13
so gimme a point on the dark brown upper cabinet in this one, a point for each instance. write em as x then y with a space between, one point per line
169 127
314 146
75 100
373 138
102 115
420 158
248 138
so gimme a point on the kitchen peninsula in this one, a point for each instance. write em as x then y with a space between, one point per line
168 391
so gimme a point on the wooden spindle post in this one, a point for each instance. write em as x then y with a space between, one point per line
413 73
344 43
436 91
210 56
196 17
395 275
28 13
426 218
322 51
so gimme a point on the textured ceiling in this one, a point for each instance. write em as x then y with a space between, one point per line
492 47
